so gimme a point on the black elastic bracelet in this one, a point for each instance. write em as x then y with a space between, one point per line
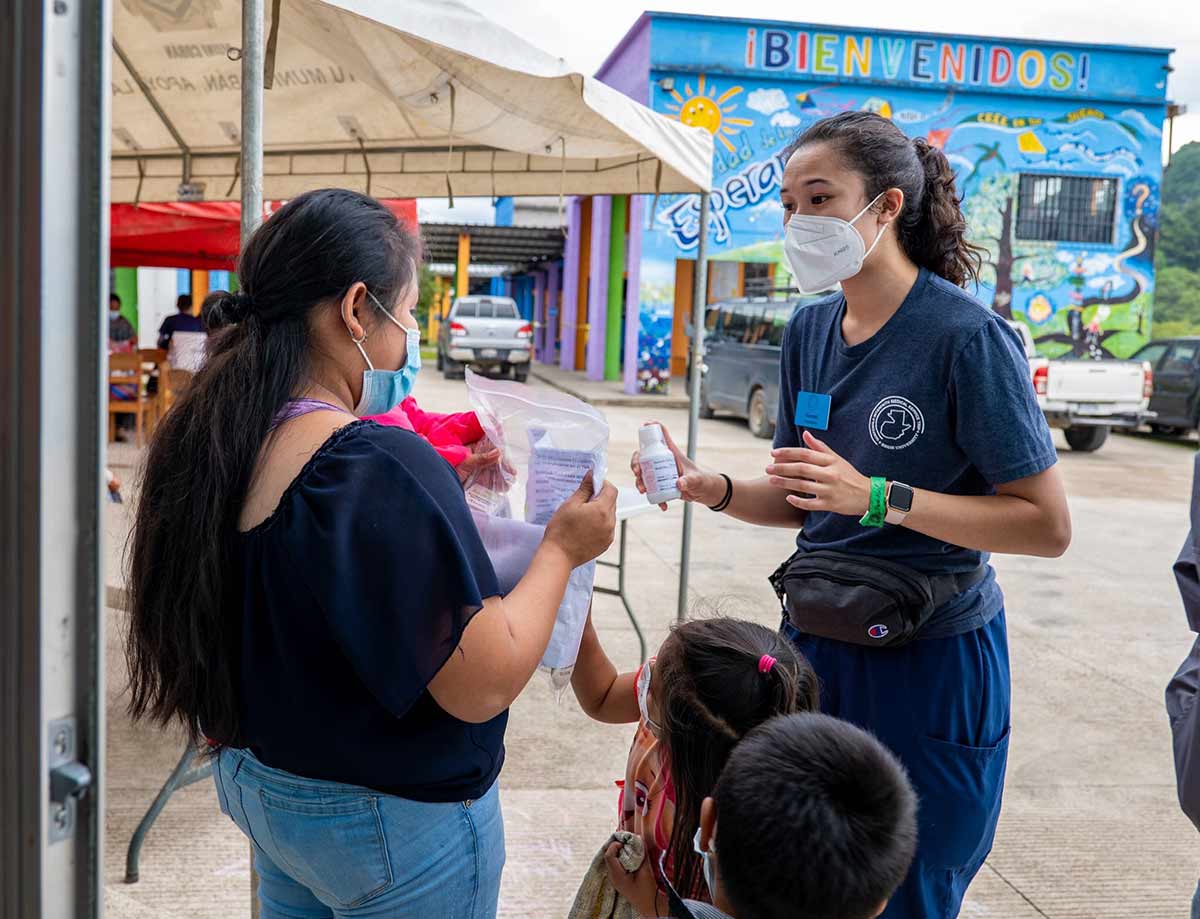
724 502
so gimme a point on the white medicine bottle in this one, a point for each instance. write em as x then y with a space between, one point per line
659 471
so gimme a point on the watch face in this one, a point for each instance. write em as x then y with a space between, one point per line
900 497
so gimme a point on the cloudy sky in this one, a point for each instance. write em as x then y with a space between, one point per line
584 33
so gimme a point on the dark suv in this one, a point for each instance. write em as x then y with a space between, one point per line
741 358
1176 395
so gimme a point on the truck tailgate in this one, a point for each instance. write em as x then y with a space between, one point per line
489 333
1094 381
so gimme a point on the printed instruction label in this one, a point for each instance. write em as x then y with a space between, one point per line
659 473
554 475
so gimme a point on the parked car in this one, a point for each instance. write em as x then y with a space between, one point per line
741 358
486 333
1176 396
1086 398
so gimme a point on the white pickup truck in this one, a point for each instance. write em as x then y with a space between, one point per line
487 333
1086 398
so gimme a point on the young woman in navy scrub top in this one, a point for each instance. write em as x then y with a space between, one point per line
904 377
309 596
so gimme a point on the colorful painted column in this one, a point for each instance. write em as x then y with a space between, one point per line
550 332
125 286
199 289
570 298
462 282
496 286
539 308
598 287
435 308
220 280
616 280
633 293
582 291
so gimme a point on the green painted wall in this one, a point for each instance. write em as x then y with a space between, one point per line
616 289
125 287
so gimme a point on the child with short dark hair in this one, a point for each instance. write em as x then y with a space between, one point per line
812 818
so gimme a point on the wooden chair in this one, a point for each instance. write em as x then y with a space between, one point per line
125 373
172 384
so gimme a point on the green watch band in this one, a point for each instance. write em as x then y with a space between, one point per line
874 517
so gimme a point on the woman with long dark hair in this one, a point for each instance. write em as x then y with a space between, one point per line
909 446
309 596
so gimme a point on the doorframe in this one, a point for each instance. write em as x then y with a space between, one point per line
54 98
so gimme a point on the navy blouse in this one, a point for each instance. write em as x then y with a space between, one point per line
356 591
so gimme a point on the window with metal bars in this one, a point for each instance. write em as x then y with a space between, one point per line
1077 209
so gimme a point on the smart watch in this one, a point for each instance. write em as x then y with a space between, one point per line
899 502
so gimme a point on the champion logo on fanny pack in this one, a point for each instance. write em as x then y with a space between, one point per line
878 630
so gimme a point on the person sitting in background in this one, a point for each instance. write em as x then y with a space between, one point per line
182 321
121 334
811 818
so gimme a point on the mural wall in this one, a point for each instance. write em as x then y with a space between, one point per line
1040 118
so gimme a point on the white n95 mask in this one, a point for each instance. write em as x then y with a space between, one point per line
821 251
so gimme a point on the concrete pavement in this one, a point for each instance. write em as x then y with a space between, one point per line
1089 829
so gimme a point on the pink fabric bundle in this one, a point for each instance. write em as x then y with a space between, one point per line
449 434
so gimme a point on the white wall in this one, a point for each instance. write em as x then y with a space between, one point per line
157 290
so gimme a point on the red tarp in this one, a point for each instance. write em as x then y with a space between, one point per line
193 235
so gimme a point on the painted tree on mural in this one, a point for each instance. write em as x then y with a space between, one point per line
990 209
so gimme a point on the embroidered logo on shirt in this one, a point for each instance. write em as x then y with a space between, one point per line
896 423
878 631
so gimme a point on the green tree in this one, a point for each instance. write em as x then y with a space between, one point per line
1179 234
1181 182
425 295
1177 295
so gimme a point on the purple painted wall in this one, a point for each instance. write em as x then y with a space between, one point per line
570 301
627 68
539 310
633 302
598 286
550 341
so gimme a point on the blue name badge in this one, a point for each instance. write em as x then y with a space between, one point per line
812 410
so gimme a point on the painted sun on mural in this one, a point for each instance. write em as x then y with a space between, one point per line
706 109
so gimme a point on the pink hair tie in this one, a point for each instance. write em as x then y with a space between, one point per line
765 663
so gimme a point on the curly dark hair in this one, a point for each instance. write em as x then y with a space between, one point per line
931 228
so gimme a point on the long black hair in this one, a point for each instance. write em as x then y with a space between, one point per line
931 227
185 613
711 691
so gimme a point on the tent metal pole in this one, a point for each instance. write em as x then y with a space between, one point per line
699 292
253 51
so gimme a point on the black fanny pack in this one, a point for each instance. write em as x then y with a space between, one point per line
861 600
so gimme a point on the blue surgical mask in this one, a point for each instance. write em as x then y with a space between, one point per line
383 390
706 859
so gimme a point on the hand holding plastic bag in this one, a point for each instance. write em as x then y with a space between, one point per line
552 441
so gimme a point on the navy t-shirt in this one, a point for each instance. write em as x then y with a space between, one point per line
179 322
940 398
356 591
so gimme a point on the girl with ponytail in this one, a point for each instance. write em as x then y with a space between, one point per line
712 681
909 446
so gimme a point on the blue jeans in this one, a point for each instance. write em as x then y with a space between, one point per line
322 849
942 706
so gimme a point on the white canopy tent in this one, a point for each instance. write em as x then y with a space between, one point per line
420 98
424 98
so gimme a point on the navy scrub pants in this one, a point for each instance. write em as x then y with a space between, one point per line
942 706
